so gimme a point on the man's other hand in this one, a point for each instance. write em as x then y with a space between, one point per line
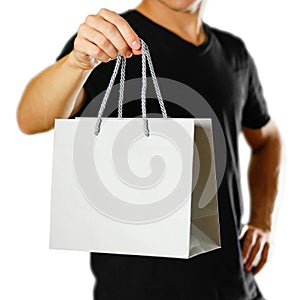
255 241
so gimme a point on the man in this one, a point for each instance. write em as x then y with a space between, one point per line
218 66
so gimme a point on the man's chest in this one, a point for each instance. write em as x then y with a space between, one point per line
186 81
213 78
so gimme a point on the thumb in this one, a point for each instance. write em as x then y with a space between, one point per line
243 231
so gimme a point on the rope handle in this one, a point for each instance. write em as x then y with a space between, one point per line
122 61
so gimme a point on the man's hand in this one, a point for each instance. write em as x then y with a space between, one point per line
101 37
255 241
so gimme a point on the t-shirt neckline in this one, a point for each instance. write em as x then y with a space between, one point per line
204 45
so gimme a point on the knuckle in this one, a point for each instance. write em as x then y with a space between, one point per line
95 52
81 29
90 19
119 21
250 230
109 29
103 11
77 43
105 59
103 42
123 49
115 55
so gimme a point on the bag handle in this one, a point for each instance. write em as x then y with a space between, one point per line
122 61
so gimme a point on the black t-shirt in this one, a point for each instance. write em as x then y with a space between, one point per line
224 73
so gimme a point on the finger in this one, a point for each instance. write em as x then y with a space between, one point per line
263 259
247 244
124 28
86 47
243 231
110 32
99 40
254 251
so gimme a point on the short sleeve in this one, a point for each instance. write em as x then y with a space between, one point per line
255 112
67 48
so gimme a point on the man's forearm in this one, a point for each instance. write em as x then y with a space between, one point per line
263 181
53 93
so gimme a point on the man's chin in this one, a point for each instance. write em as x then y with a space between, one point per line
182 7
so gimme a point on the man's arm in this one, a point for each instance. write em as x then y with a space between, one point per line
57 92
263 180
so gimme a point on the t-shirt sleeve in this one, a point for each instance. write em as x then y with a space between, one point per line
67 48
255 112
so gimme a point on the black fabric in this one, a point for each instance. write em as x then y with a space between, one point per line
224 73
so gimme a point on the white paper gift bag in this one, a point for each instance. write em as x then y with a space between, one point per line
139 186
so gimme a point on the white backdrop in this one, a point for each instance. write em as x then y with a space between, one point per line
32 35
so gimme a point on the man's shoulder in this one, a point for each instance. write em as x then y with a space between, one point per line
233 46
227 36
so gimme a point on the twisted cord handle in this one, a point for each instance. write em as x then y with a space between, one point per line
122 61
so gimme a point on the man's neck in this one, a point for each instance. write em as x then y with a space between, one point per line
186 24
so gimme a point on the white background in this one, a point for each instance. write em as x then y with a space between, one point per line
32 35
